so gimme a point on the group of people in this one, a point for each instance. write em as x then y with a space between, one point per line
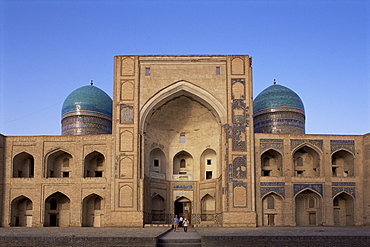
180 222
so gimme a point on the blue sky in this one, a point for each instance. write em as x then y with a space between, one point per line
319 49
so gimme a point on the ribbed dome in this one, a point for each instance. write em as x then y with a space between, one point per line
275 98
88 99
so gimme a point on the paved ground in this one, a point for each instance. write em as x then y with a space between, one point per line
285 231
156 231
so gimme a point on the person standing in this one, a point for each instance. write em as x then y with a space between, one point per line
175 223
185 223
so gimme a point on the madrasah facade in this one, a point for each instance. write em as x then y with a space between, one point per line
184 136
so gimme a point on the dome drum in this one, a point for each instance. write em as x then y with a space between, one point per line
280 122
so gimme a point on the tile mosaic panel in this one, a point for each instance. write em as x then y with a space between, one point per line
238 137
350 190
315 187
239 167
342 144
296 142
277 190
266 144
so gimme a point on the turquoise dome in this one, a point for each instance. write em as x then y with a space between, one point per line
88 99
277 98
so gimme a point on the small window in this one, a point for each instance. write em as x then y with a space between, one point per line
218 70
147 71
182 163
209 162
208 174
65 174
156 163
98 174
182 138
266 173
311 203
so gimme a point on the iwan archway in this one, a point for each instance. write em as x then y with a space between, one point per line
178 124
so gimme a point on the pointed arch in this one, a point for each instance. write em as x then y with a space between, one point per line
306 161
58 164
272 209
57 210
271 163
23 165
342 162
182 88
92 210
21 212
208 208
94 164
183 163
158 205
308 208
343 209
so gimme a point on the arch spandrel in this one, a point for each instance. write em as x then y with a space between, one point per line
187 89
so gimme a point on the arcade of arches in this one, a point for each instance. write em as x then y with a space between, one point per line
183 136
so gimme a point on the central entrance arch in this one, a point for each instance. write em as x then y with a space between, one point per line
183 208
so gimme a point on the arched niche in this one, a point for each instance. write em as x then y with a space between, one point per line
92 210
158 207
183 163
271 164
273 208
306 162
157 161
21 212
208 208
342 163
343 210
308 208
94 165
209 165
23 165
57 210
59 165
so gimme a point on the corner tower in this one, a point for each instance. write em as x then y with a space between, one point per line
87 111
278 109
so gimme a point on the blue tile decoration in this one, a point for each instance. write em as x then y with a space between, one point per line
239 136
350 190
89 99
240 112
277 97
239 184
277 190
239 167
266 144
315 187
277 187
343 184
342 144
183 187
296 142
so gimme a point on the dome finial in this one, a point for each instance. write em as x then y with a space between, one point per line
274 81
92 82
